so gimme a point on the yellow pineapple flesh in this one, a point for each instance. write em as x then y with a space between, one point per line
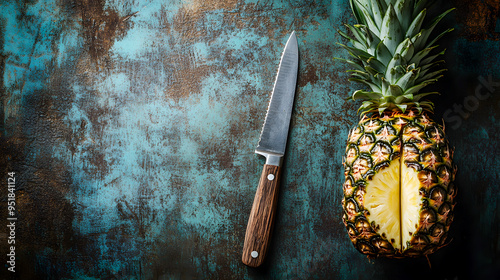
393 201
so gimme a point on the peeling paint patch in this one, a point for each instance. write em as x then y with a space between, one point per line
101 27
479 19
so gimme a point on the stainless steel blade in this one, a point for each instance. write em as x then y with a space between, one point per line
274 133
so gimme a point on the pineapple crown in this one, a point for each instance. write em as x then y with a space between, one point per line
393 54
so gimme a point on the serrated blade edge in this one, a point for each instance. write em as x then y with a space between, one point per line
274 134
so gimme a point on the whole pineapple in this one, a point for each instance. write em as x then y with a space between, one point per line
398 190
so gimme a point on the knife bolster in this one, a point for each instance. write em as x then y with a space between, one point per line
271 158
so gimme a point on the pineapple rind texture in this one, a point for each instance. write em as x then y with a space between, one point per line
416 146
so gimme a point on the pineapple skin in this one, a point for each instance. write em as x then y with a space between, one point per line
420 144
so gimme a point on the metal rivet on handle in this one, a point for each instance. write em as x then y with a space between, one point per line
254 254
270 177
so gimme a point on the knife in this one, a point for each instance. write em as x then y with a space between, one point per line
272 144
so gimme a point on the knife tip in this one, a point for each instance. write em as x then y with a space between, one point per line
292 39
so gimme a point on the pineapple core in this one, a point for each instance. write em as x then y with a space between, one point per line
393 201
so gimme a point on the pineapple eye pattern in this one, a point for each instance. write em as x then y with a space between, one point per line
419 152
419 242
351 230
355 134
386 133
382 245
364 228
437 230
427 179
444 175
431 159
351 155
371 125
446 214
437 196
366 143
413 134
348 189
351 209
411 153
381 153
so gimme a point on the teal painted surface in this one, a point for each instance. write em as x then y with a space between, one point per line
131 127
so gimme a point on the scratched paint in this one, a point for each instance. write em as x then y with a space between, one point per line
132 124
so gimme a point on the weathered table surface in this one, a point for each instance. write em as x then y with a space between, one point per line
131 127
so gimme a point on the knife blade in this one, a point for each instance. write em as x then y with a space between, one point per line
272 145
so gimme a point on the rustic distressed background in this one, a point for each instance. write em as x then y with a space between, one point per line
131 127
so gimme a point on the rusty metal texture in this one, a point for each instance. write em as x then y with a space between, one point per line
131 128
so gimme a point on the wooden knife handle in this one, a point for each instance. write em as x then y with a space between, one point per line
260 223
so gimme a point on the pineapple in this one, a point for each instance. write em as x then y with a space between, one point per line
398 191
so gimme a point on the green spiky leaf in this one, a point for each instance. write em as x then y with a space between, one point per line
391 33
377 11
415 89
404 98
381 110
403 8
425 33
373 86
357 13
360 37
383 54
420 55
419 96
394 53
402 107
416 25
395 90
407 79
368 20
350 62
364 95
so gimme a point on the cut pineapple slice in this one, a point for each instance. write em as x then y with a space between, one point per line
410 204
393 203
382 202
